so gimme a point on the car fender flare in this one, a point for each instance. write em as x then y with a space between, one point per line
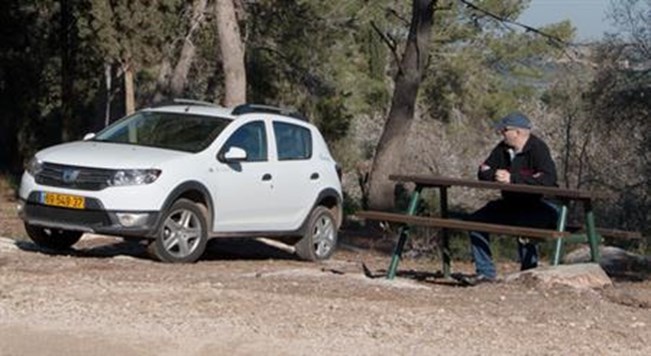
181 189
326 193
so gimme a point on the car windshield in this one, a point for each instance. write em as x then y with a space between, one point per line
175 131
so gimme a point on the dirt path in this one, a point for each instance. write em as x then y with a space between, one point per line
106 299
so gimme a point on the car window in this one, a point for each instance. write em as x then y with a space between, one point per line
292 141
184 132
252 138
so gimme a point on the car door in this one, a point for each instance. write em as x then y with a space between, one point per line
243 189
297 177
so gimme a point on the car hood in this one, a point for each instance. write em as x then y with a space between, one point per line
108 155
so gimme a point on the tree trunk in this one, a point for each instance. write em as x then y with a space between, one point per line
108 77
180 77
389 150
68 120
129 96
232 51
163 81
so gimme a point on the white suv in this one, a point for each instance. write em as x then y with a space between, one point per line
183 173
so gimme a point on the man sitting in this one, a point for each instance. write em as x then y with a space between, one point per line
520 158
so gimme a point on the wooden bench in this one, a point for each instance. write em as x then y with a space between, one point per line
456 224
607 232
442 184
573 233
579 235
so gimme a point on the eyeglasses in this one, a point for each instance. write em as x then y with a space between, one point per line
506 129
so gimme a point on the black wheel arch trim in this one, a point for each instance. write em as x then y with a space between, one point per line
177 192
326 193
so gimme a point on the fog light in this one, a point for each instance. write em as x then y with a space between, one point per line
20 206
130 219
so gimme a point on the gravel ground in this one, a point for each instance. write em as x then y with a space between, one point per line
248 298
245 297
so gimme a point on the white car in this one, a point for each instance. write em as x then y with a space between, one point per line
183 173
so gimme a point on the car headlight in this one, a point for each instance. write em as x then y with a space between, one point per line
133 177
34 166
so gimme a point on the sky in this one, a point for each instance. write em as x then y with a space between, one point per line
588 16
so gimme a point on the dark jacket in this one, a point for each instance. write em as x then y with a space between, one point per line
534 165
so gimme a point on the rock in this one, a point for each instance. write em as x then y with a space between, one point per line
616 262
7 244
579 276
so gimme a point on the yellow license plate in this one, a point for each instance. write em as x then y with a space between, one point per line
64 200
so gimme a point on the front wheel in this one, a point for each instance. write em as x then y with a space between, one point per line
320 238
183 234
56 239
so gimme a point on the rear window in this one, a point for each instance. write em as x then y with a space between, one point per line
293 142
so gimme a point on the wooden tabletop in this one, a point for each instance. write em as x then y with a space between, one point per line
439 181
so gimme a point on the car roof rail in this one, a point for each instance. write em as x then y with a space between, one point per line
181 101
194 102
259 108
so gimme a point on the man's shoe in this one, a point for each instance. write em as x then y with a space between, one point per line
476 280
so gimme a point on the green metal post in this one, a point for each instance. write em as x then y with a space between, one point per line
593 239
560 226
403 232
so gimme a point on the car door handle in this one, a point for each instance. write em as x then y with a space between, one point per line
266 177
314 176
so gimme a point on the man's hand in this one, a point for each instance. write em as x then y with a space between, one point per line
503 176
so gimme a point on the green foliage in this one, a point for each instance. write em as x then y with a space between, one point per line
482 67
332 118
316 56
133 31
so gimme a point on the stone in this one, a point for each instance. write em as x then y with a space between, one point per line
7 244
617 263
579 276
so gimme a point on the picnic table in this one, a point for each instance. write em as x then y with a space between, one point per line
562 195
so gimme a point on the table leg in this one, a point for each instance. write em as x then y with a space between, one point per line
403 233
560 226
593 239
445 235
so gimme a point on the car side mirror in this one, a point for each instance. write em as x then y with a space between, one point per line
233 154
89 136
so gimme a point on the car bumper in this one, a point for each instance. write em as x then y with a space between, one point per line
92 219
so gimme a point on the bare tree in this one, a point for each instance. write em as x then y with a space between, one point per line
180 76
407 82
232 51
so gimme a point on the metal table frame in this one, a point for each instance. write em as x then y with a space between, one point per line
443 183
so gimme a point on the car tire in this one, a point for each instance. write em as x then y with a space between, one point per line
320 238
183 233
56 239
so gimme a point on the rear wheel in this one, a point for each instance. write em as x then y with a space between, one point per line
183 234
320 238
56 239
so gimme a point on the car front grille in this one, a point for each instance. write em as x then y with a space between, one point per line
72 177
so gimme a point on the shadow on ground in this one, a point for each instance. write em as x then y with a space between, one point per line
130 248
245 249
217 249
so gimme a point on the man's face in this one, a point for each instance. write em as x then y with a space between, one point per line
510 135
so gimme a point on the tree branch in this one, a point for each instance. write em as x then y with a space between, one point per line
391 43
553 39
395 14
